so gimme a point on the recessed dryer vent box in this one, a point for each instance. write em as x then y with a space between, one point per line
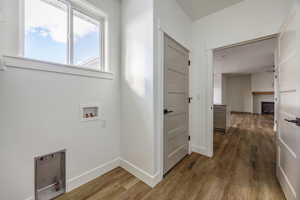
50 175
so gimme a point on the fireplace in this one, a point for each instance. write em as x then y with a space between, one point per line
267 108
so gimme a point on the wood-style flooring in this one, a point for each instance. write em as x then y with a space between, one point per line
243 168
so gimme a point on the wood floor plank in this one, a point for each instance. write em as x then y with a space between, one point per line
243 168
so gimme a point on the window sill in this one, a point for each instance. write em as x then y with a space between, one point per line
37 65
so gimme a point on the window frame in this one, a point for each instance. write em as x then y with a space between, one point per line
71 6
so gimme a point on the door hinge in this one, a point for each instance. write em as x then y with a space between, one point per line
190 99
189 63
189 138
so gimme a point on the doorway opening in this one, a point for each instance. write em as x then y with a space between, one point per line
244 95
244 83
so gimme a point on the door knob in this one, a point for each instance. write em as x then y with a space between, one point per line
166 111
297 121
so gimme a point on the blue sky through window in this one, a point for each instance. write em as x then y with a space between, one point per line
86 44
43 47
46 34
86 47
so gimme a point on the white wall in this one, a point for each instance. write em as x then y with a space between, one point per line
239 96
173 20
262 82
142 22
60 124
229 26
224 89
140 137
137 130
170 19
218 88
237 91
40 113
8 40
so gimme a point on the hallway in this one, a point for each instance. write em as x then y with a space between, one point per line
243 168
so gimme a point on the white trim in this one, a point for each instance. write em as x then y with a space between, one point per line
106 44
209 90
92 174
83 4
87 176
31 64
77 181
201 150
147 178
159 102
276 90
70 34
288 182
287 147
287 188
210 94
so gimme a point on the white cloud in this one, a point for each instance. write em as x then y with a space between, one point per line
83 27
53 21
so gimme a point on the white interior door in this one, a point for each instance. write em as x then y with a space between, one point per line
176 105
276 89
288 137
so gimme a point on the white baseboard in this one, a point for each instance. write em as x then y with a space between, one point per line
77 181
141 174
92 174
285 184
201 150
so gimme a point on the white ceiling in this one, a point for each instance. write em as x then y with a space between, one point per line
251 58
200 8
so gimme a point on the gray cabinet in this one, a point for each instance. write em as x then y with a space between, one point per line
221 118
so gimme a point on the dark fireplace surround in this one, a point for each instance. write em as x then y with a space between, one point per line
267 108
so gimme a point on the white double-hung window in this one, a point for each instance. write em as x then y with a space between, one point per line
60 31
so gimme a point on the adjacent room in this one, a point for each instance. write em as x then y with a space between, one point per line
149 99
244 104
244 81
